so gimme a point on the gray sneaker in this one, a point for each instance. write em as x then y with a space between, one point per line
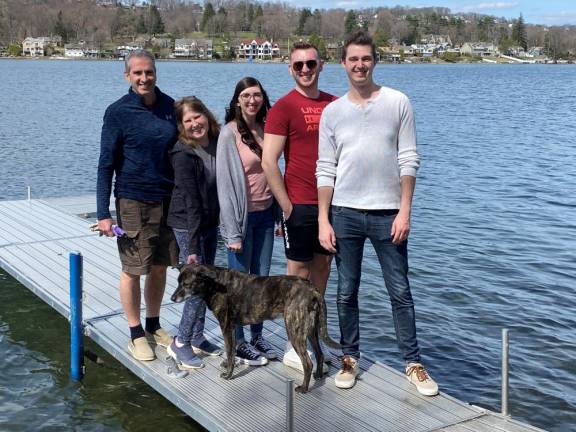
184 356
207 348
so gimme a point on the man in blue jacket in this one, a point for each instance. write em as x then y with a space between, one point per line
138 131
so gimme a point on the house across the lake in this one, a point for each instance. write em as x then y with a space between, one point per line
200 49
257 49
39 46
80 50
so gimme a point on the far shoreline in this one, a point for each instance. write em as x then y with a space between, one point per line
275 62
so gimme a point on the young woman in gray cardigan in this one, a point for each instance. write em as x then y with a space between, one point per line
246 202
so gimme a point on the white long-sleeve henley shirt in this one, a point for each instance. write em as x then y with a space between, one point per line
364 150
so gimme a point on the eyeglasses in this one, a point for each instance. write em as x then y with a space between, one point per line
247 96
299 65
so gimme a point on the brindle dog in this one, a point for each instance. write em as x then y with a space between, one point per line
238 298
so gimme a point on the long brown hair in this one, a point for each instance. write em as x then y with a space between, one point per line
196 105
234 112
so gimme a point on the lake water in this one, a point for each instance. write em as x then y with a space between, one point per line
493 242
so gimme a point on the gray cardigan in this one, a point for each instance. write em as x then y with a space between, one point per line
231 182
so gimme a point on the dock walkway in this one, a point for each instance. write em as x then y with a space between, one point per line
36 237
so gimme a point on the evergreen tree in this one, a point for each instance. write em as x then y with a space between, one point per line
351 23
504 40
318 42
258 20
15 50
250 14
413 24
60 28
156 23
304 15
317 16
141 27
208 14
381 37
485 28
519 33
220 21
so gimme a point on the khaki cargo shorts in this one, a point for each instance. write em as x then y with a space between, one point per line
148 240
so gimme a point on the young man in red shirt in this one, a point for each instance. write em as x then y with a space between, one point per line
292 129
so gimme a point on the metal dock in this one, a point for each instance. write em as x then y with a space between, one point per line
36 237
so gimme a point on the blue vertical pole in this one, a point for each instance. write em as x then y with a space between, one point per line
76 328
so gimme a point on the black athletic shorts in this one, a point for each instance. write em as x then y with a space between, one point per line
301 233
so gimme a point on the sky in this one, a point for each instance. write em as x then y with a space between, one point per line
548 12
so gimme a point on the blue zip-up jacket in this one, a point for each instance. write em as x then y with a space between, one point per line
135 143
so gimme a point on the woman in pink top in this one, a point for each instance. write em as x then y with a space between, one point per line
246 202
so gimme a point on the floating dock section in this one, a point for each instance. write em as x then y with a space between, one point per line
36 238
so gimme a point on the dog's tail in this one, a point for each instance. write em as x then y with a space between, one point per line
322 325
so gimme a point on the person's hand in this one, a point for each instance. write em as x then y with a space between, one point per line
287 212
192 259
105 227
279 232
400 228
327 237
235 247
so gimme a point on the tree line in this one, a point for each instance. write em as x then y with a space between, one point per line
102 22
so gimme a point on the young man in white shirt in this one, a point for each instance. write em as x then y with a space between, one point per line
366 176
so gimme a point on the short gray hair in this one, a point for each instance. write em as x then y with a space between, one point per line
138 53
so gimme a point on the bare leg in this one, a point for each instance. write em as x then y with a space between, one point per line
316 271
154 290
130 297
320 271
298 268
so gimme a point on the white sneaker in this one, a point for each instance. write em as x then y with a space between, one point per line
291 359
417 375
345 378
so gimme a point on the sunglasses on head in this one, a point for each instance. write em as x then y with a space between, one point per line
299 65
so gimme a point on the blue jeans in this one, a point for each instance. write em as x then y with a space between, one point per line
352 227
255 257
191 328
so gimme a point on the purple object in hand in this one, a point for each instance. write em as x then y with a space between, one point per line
118 232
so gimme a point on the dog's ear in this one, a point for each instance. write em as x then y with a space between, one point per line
207 271
210 274
182 269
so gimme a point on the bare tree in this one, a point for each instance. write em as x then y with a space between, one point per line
333 23
278 21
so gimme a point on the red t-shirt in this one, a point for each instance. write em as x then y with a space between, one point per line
297 117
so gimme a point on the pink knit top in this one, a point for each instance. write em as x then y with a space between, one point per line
257 190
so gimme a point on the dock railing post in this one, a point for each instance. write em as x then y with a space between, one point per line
505 381
290 405
76 327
